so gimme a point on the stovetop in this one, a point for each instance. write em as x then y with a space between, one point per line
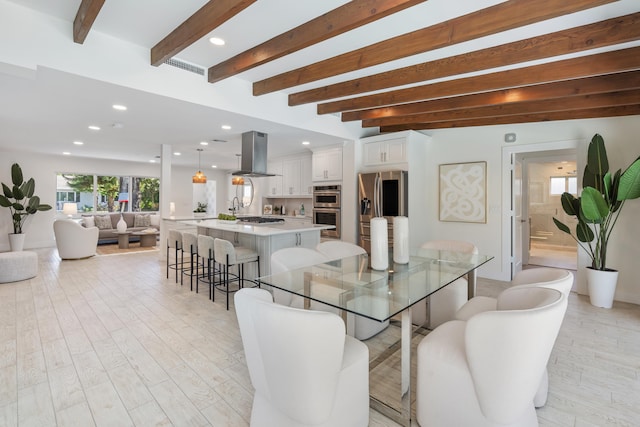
259 219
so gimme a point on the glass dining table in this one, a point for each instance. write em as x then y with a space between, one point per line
349 286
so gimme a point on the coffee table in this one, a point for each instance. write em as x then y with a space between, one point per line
123 239
147 239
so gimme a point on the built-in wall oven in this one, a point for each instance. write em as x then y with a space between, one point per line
326 208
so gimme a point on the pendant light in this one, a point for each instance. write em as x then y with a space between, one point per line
237 180
199 177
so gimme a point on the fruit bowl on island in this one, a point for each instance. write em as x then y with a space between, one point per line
227 219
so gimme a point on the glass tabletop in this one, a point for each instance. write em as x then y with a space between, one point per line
350 284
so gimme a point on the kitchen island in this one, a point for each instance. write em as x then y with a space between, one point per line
263 238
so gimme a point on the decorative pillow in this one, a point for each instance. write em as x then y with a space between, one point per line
103 222
89 222
142 220
154 220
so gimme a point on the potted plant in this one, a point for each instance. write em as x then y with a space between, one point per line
201 210
597 211
21 202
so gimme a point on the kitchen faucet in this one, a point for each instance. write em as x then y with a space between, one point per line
233 205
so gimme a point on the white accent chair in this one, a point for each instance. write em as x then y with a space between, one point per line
73 240
357 326
553 278
444 304
485 371
305 370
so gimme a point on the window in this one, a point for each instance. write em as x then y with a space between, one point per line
102 193
561 184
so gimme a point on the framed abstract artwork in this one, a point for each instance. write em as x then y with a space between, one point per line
463 192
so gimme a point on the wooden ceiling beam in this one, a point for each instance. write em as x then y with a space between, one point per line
604 33
592 113
581 102
85 17
492 20
597 64
561 89
340 20
209 17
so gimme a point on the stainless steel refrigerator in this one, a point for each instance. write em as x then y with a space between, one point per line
381 194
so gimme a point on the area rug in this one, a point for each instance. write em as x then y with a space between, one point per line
113 249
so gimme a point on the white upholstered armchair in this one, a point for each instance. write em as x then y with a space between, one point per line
73 240
485 371
304 368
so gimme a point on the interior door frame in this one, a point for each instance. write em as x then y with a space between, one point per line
508 156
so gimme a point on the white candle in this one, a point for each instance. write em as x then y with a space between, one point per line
401 239
379 244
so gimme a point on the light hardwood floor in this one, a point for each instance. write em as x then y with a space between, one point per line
110 341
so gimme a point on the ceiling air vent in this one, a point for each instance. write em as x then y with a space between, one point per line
185 66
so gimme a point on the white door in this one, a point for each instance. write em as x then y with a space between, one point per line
518 220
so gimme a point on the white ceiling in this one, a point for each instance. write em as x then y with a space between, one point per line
44 114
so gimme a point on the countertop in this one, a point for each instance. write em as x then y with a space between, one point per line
267 229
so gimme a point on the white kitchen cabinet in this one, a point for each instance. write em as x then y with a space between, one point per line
293 177
327 165
275 182
306 181
385 152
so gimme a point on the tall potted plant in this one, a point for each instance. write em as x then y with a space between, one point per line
597 211
20 200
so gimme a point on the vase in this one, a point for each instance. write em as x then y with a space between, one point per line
401 240
121 226
16 242
379 244
602 287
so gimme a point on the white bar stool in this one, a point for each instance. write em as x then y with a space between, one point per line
206 251
190 245
174 241
227 255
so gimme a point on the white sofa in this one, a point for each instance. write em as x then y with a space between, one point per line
73 240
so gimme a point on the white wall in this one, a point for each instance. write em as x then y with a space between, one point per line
485 144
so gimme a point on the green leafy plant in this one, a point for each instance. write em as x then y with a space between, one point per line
225 217
20 199
202 207
598 208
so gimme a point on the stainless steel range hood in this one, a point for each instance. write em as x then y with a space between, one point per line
253 162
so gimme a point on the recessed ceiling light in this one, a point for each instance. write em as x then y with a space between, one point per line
94 127
66 153
119 107
177 153
214 166
217 41
204 143
305 143
78 142
152 161
226 127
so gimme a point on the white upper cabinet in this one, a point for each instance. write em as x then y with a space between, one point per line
275 182
386 151
293 177
327 165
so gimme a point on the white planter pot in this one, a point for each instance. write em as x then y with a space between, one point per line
602 287
16 242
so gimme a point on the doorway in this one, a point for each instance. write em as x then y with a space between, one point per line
546 177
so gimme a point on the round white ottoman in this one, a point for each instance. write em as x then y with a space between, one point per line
16 266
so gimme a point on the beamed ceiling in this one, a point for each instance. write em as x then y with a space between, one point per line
453 91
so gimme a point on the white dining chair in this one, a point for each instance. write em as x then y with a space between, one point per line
444 303
547 277
305 370
485 371
357 326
